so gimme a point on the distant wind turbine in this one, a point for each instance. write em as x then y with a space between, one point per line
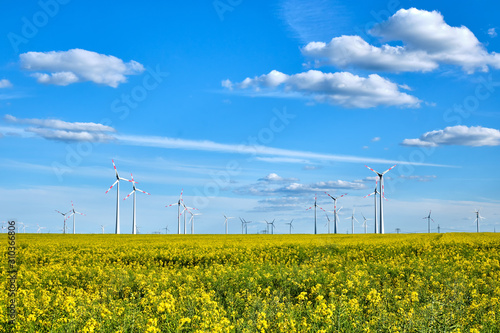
375 192
117 183
73 213
65 216
335 223
429 219
478 218
178 203
191 220
291 226
352 221
315 213
365 221
382 195
225 222
39 229
135 189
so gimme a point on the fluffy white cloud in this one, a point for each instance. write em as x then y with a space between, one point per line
55 129
273 177
428 41
77 65
475 136
4 83
343 88
492 32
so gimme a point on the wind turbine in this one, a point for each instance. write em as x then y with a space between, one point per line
102 228
315 214
135 189
117 183
186 209
39 229
327 223
65 218
166 230
227 218
478 218
272 226
429 219
291 226
73 213
382 195
364 222
335 226
375 192
178 203
352 221
244 228
191 220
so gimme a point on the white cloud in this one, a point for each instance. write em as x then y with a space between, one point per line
428 41
375 139
58 130
475 136
4 83
77 65
426 178
492 32
273 177
342 88
60 124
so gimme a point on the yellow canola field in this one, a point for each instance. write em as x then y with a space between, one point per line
255 283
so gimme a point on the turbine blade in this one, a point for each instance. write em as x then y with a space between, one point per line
143 191
386 171
371 169
111 186
129 195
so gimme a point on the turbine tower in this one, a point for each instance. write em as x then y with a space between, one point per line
135 189
382 196
291 226
191 220
375 192
178 203
478 218
352 221
315 213
117 183
227 218
365 221
73 213
335 226
429 219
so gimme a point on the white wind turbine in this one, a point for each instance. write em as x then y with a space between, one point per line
429 219
315 213
191 220
178 203
375 192
135 189
39 229
328 223
244 226
478 218
352 221
365 221
73 213
102 229
65 216
382 195
227 218
335 223
291 226
117 183
272 227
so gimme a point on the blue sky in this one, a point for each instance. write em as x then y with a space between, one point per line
251 108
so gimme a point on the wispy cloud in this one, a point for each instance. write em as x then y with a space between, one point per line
77 65
492 32
205 145
474 136
59 130
342 88
428 41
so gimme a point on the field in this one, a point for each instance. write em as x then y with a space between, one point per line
256 283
